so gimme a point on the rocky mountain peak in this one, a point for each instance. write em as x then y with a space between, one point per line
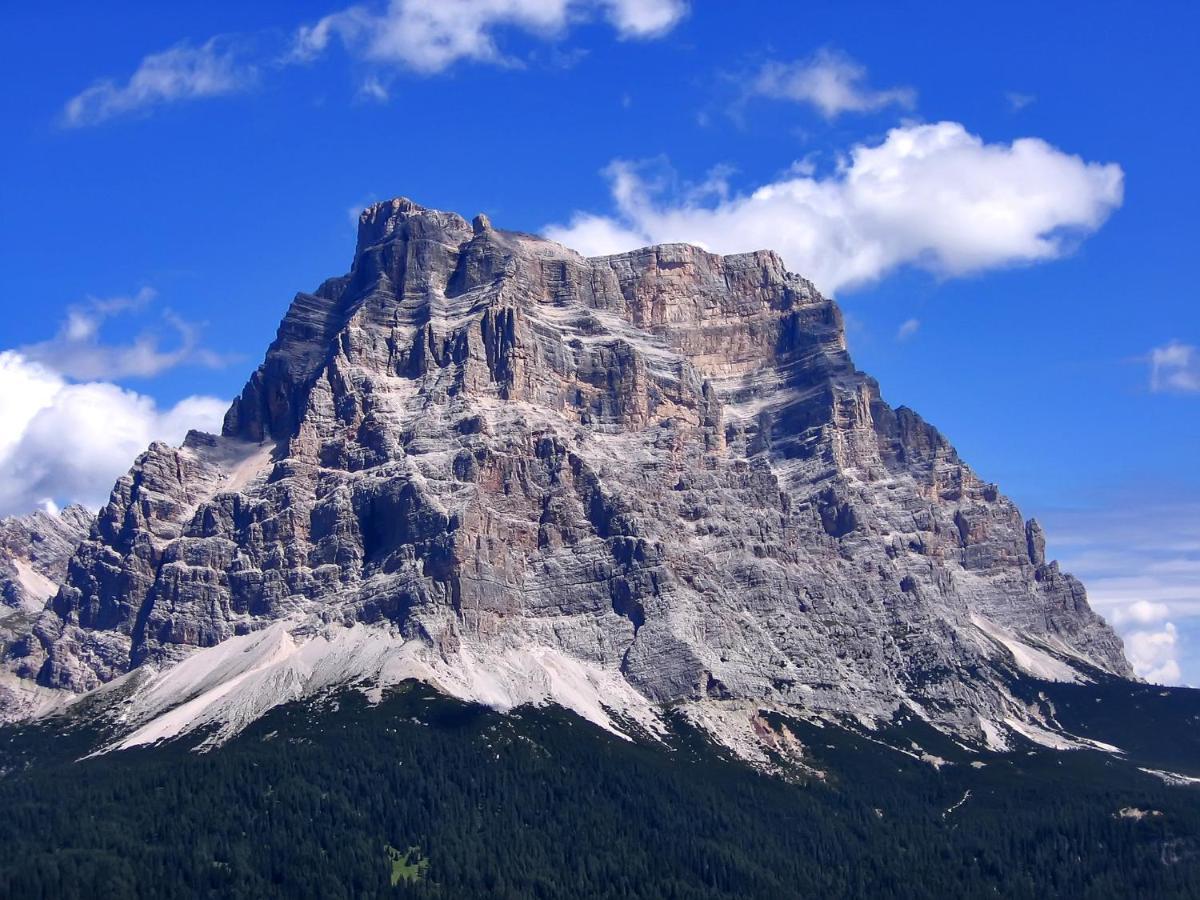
486 461
402 219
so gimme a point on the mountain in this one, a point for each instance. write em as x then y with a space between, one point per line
34 552
618 484
519 574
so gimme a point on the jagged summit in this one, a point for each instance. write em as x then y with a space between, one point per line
486 461
380 221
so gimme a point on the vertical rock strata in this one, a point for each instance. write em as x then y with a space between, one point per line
34 552
662 463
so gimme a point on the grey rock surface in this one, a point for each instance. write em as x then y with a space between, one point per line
34 552
661 462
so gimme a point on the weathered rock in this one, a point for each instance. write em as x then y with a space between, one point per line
34 551
661 463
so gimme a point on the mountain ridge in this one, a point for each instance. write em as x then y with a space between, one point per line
648 478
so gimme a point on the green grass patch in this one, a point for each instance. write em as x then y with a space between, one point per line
407 865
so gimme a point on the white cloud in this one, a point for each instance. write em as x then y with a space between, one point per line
907 329
1144 612
1153 654
66 442
426 36
77 351
1139 557
1175 367
933 196
644 18
431 35
183 72
1138 583
831 81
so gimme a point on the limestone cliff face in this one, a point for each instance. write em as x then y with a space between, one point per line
34 551
661 463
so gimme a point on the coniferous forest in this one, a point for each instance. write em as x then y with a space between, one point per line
425 797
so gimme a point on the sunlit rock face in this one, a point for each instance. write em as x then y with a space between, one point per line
662 465
34 552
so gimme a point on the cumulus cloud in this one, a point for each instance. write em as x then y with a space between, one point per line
831 81
1175 368
78 352
644 18
907 329
1143 612
67 442
431 35
183 72
933 196
1152 654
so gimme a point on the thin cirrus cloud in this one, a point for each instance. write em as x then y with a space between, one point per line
1018 101
1139 556
908 328
1175 368
374 89
66 442
183 72
429 36
78 352
933 196
830 81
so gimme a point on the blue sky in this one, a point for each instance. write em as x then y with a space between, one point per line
1002 200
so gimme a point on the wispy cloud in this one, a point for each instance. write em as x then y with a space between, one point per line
426 36
79 353
1018 101
1138 554
908 328
1175 368
374 89
933 196
829 80
429 36
183 72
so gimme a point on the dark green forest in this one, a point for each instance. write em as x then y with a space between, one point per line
425 797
